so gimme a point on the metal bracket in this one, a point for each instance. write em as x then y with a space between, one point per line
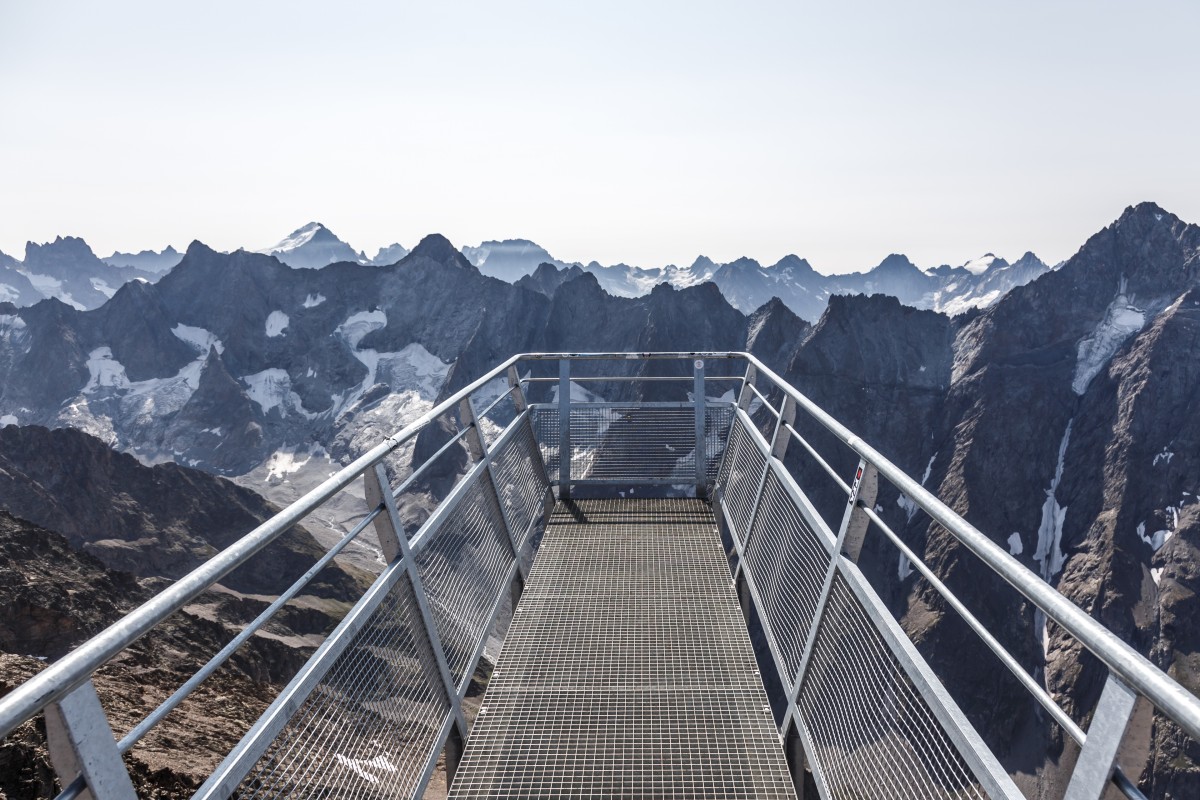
854 522
82 743
474 437
746 395
1093 771
787 416
514 384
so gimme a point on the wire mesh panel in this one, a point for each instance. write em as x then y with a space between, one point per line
633 443
627 670
545 427
368 727
463 568
521 481
743 471
873 734
717 420
787 561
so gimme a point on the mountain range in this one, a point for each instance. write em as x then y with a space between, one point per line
77 280
1062 419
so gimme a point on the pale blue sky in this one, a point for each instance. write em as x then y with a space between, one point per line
638 132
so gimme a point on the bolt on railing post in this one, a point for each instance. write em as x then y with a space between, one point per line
1094 768
564 428
698 400
81 743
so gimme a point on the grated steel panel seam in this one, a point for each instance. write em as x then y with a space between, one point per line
627 670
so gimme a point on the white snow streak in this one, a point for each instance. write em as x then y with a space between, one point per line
312 301
1049 547
1015 546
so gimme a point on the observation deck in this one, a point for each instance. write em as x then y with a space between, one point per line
682 610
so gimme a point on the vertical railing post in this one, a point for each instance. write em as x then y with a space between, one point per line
1094 768
564 428
81 743
701 440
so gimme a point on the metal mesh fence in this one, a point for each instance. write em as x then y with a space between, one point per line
632 443
717 421
545 427
743 471
873 734
463 569
521 482
368 728
787 561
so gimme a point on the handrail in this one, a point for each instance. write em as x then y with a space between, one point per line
1123 662
1131 666
73 669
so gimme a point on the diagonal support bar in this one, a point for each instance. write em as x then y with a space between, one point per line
82 744
1093 771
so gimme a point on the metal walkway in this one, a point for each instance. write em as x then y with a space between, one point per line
627 670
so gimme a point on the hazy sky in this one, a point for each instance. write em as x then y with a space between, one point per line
643 132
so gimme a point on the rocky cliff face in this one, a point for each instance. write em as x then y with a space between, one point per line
1065 431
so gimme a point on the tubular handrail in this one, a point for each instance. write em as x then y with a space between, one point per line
73 669
1123 662
1126 663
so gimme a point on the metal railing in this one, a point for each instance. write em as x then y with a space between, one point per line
382 698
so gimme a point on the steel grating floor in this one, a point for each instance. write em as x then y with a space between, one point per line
627 670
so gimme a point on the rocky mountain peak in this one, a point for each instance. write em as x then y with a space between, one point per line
895 263
437 247
794 265
68 254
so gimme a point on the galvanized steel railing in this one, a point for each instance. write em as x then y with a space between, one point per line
372 710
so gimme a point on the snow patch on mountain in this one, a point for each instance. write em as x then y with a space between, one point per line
277 323
313 300
297 238
198 338
8 419
102 287
271 389
289 461
978 266
1121 320
1015 545
359 325
104 372
9 294
907 503
14 333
